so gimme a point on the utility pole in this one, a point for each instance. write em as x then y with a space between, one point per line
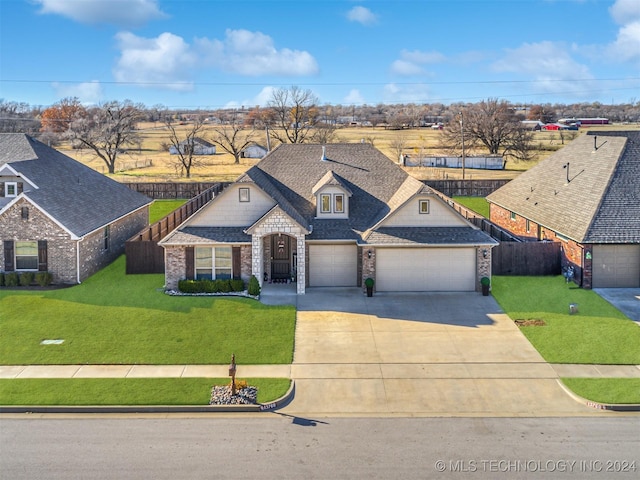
462 133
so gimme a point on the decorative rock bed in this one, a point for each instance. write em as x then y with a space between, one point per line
221 395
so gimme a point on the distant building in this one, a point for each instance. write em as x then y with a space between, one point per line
200 147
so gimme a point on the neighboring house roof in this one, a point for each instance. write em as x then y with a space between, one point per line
76 196
198 141
588 191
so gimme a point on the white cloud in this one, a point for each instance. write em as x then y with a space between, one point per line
625 11
126 13
362 15
166 59
354 97
549 64
627 44
412 62
89 93
254 54
261 99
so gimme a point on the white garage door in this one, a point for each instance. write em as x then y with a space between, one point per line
616 266
333 265
425 269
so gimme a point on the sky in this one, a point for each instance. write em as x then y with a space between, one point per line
189 54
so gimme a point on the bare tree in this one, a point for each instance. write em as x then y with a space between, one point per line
324 133
233 138
491 123
398 145
520 145
295 114
184 143
107 130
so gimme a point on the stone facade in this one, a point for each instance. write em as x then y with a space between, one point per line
62 250
483 265
274 223
175 266
367 266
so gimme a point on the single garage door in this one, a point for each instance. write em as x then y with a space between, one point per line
616 266
333 265
425 269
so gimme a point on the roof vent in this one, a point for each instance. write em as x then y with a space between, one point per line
324 154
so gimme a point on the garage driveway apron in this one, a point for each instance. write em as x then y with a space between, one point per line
419 354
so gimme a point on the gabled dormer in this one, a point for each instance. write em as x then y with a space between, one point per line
12 184
332 197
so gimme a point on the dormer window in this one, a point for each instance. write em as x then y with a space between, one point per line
332 197
338 203
325 203
11 189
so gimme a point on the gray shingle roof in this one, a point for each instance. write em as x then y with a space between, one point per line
78 197
429 236
595 199
206 235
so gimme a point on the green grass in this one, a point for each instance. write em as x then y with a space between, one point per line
597 334
127 391
161 208
477 204
113 318
606 390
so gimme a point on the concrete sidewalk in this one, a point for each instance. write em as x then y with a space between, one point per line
336 371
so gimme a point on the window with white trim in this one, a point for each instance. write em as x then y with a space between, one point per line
11 189
338 203
243 194
423 206
325 203
213 263
26 255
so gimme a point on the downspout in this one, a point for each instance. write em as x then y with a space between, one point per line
78 260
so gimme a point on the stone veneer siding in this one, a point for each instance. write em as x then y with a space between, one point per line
572 252
61 249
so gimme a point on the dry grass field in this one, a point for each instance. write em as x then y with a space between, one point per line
153 164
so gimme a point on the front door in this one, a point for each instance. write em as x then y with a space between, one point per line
280 257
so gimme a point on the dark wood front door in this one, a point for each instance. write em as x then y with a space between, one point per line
280 257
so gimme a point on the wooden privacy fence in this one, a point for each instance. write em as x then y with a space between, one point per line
526 258
466 188
175 190
142 251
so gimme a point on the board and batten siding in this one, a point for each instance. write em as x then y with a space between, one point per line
228 211
440 215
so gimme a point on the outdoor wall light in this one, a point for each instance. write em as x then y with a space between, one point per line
369 254
485 253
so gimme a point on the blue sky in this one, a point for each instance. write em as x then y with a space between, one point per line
227 53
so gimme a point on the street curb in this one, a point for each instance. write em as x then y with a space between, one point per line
261 407
614 407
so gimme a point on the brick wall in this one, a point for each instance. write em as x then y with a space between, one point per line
175 266
62 255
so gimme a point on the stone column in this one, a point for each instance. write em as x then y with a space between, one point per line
302 267
256 257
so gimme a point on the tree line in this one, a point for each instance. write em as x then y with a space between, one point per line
292 115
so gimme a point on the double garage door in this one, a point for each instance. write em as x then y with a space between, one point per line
397 269
425 269
616 266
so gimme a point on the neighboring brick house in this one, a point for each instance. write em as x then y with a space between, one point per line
587 197
330 216
60 216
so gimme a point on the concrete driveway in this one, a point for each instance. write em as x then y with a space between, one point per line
417 354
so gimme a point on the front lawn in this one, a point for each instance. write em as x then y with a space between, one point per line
606 390
597 334
127 391
113 318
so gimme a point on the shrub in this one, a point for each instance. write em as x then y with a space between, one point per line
485 281
187 286
11 279
44 279
26 278
222 286
237 285
369 282
254 286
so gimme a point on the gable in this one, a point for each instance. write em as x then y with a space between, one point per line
412 214
229 209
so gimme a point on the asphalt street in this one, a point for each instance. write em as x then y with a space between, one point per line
276 446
